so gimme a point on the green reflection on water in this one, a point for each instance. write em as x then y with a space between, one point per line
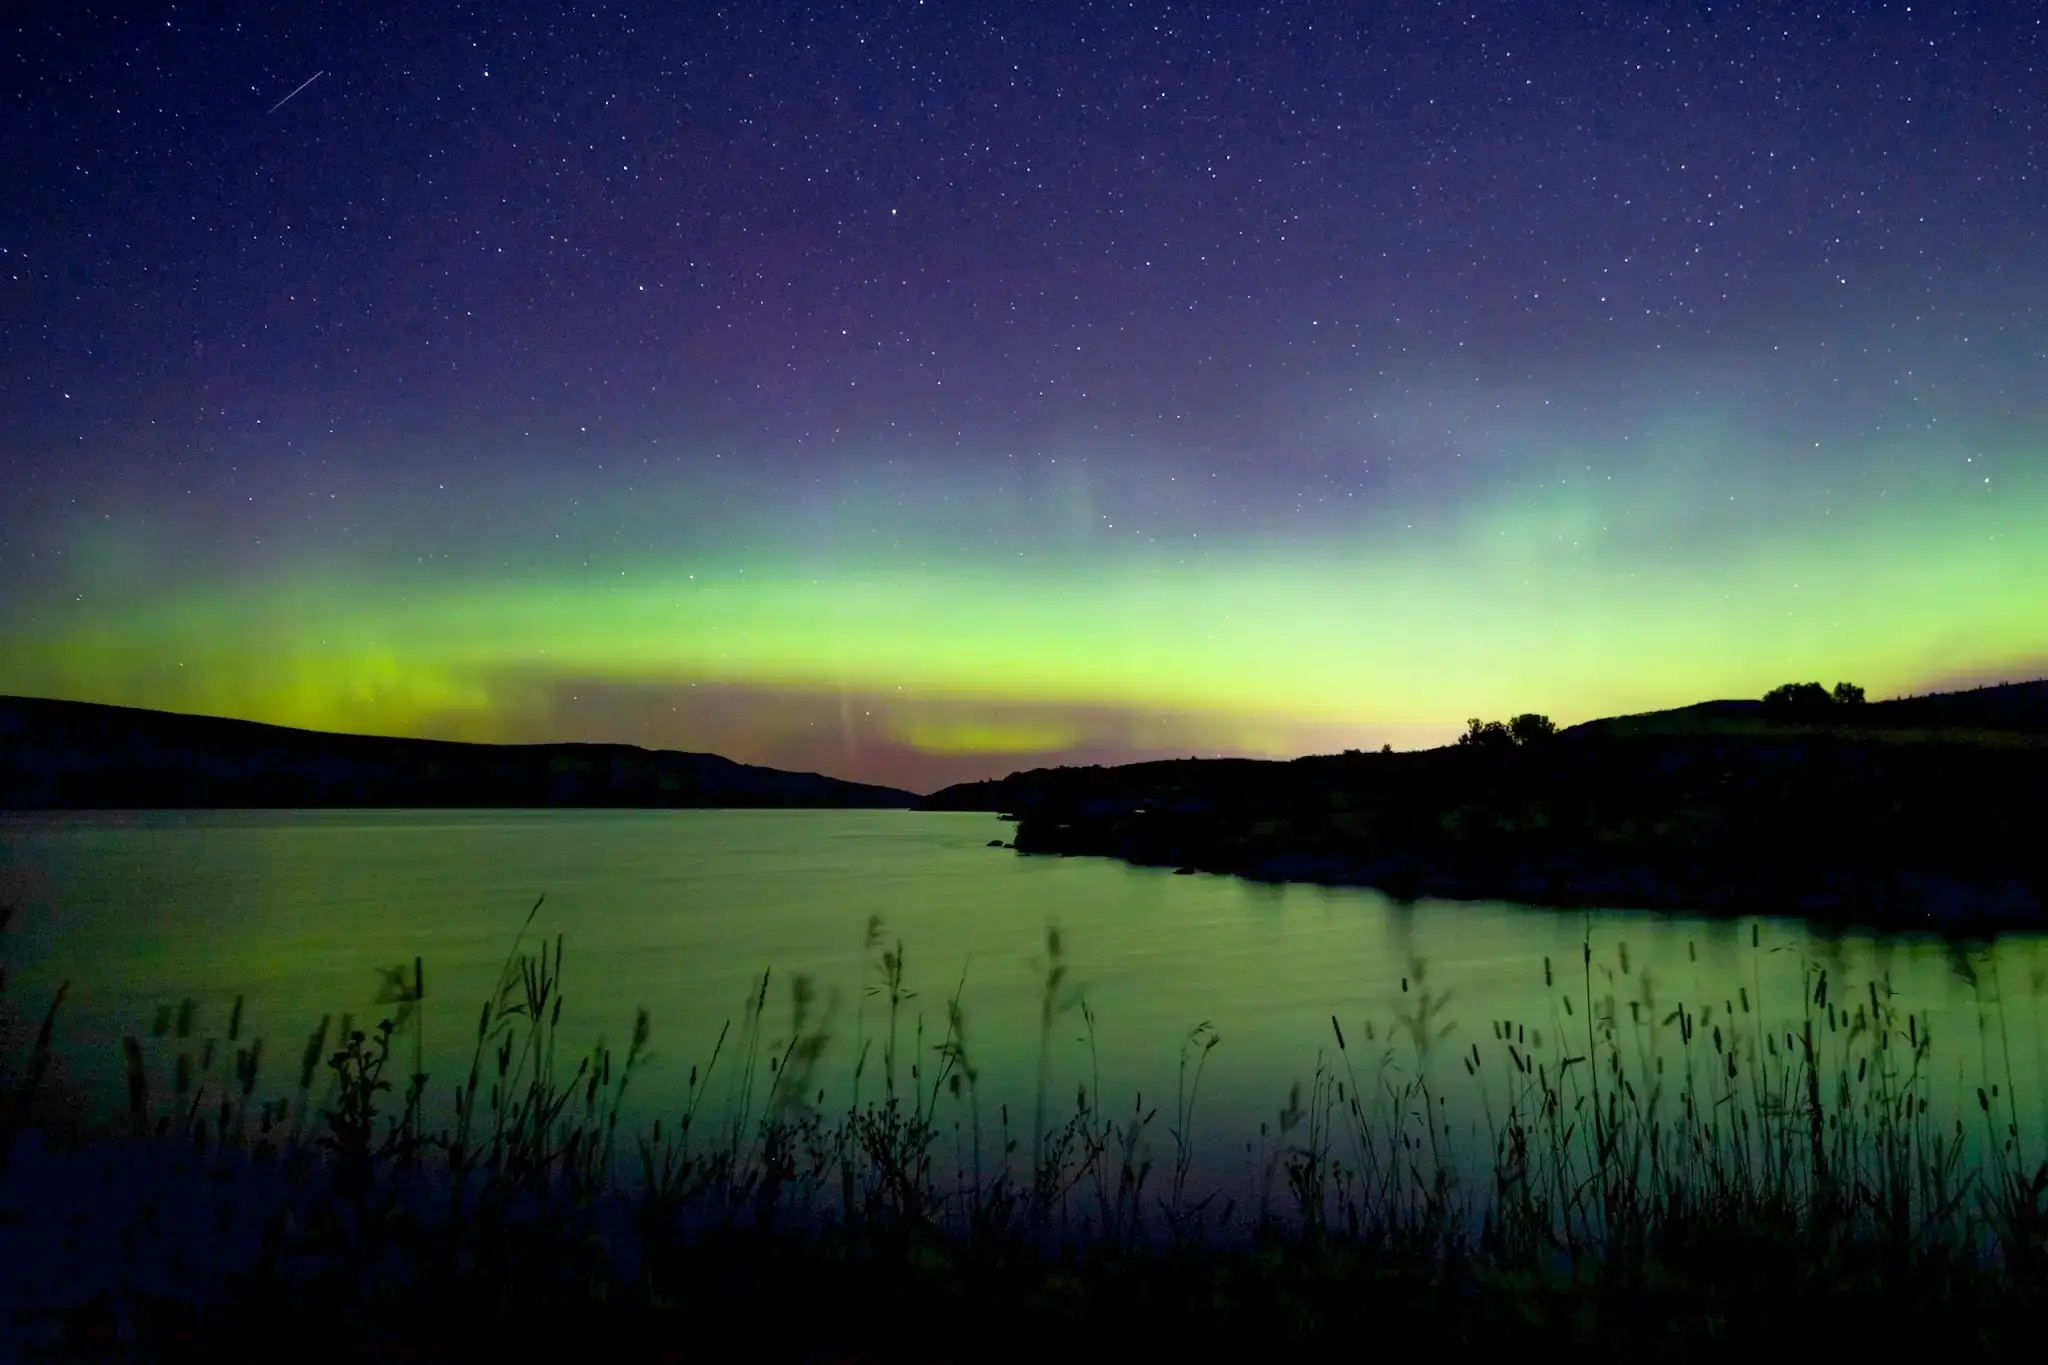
680 912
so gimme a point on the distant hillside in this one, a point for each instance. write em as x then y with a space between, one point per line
1926 812
2009 713
79 755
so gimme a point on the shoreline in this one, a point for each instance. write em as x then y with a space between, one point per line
1833 827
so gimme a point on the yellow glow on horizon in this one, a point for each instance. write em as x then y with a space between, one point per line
1497 614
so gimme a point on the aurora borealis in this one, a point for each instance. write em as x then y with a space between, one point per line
915 392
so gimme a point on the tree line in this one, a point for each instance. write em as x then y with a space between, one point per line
1797 698
1811 696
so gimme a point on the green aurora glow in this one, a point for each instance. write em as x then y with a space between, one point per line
1576 601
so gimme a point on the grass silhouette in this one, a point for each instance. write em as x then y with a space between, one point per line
1685 1176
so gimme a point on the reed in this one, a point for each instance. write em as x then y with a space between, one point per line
1642 1166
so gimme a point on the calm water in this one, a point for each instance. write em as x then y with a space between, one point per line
682 911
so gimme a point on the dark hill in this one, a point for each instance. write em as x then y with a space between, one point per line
2010 713
1926 812
63 754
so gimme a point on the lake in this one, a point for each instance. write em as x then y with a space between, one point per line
681 912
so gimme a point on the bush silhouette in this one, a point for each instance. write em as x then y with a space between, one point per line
1527 728
1486 734
1810 697
1798 696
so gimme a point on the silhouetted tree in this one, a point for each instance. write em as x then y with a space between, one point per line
1527 728
1810 698
1486 734
1806 696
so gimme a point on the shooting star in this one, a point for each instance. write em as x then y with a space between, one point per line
288 98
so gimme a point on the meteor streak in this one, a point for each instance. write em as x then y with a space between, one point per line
288 98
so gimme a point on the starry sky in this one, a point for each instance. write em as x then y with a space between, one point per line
918 391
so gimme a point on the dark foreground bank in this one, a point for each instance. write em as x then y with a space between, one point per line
78 755
1926 813
1715 1181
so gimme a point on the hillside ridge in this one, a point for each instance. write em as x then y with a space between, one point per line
1919 813
78 755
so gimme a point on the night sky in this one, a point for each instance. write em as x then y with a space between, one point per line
920 391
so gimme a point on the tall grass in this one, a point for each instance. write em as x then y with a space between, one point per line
1681 1151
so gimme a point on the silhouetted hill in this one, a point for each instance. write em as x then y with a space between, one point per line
1929 811
63 754
2009 713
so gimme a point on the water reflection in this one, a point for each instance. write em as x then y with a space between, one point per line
682 911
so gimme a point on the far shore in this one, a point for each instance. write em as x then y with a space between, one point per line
1924 813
